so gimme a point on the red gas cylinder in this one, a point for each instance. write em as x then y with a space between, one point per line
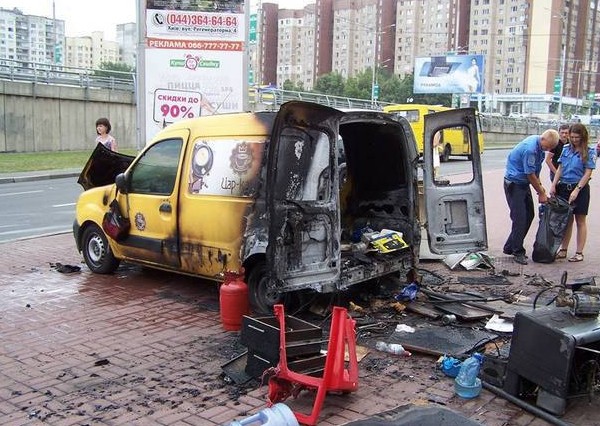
233 300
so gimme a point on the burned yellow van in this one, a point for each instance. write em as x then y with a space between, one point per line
269 192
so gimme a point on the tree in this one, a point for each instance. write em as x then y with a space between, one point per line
118 70
330 84
290 85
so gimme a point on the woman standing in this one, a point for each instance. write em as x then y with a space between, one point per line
571 183
103 130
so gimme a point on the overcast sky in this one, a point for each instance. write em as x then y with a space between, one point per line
84 16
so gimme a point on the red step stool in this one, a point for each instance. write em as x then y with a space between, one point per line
338 375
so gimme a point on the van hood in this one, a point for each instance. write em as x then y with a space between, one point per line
102 167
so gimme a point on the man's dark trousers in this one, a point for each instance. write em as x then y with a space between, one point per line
520 203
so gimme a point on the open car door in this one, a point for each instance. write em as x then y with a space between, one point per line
302 197
454 201
102 167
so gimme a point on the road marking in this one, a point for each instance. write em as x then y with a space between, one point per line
63 205
20 193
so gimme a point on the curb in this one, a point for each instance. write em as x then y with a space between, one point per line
31 178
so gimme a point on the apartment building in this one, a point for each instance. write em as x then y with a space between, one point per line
529 46
30 38
90 51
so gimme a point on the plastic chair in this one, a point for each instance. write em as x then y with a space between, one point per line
336 377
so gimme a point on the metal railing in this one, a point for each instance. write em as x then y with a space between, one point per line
14 70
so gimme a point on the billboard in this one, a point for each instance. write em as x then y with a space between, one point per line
191 60
449 74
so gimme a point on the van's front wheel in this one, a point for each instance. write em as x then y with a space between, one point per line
263 295
96 251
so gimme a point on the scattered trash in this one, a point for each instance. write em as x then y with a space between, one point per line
398 307
356 308
499 324
101 362
408 293
487 280
65 269
469 261
392 348
467 385
404 328
448 319
450 366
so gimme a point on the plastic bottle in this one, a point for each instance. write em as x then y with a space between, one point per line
467 384
277 415
393 348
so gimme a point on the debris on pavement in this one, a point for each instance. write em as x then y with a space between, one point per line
470 261
65 269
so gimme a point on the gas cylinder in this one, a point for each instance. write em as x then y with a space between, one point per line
233 300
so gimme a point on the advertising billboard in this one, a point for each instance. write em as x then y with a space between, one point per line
449 74
191 60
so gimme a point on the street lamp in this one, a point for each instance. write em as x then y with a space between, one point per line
563 60
377 39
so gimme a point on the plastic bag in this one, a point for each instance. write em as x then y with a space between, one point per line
114 224
554 217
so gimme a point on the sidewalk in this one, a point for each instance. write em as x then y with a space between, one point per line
146 347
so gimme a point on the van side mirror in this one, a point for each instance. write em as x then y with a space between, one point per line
121 182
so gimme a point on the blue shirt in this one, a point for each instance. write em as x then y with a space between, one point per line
572 164
525 158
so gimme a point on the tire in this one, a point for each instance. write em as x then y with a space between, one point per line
445 156
261 294
96 251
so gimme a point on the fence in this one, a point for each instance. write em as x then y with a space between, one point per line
13 70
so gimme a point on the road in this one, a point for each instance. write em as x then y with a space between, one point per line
37 208
47 206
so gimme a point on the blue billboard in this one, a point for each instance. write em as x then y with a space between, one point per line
449 74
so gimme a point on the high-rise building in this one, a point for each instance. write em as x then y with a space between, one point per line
127 41
542 48
31 39
90 51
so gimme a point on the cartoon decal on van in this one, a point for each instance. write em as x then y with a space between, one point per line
225 167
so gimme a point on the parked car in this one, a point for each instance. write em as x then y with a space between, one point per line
262 191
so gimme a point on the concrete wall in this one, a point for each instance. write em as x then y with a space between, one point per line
42 117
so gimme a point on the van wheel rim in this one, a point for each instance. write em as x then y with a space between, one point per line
96 249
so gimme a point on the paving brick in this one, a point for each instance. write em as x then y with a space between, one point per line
165 349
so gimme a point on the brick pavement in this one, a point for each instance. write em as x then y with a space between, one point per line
145 347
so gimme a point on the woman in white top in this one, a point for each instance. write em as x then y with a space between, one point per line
103 130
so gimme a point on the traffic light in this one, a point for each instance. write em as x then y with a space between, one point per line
58 53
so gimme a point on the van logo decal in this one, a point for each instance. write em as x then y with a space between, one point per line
241 158
140 222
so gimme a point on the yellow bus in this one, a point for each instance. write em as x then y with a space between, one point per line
453 141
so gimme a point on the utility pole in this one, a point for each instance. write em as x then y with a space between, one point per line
563 61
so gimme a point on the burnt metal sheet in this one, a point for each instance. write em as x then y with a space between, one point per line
443 339
235 369
486 280
463 311
425 309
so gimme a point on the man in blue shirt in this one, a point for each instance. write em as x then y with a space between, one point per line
523 168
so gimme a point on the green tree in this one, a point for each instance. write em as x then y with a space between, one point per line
290 85
330 84
118 70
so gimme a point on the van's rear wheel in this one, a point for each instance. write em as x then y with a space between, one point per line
96 251
446 153
263 295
